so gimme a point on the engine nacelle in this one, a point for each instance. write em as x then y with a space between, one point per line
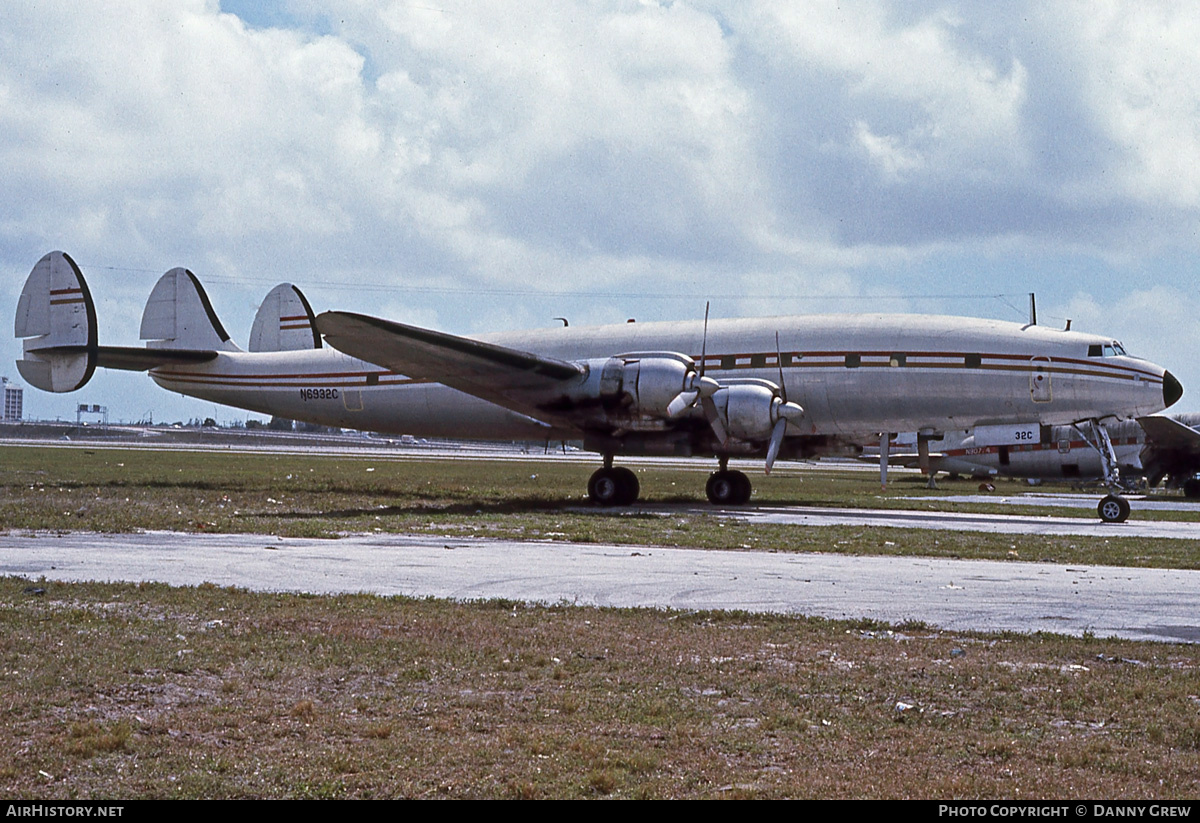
747 410
640 390
653 382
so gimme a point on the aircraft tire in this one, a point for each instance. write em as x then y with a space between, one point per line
613 487
728 488
1113 509
744 488
1191 488
629 485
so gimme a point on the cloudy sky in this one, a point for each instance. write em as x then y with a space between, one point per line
473 166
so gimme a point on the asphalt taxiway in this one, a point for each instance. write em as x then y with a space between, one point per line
1008 523
1142 604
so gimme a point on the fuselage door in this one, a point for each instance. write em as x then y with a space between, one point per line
1040 389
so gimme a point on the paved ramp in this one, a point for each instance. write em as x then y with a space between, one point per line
1143 604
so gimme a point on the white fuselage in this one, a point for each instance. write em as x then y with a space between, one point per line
1065 454
854 375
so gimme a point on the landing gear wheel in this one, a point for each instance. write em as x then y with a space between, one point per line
1113 509
630 488
1191 488
728 488
613 487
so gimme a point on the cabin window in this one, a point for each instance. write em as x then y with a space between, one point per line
898 360
853 361
729 361
758 361
973 361
373 379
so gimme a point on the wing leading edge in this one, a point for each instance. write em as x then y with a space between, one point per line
507 377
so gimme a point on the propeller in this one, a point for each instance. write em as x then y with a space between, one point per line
782 411
714 419
697 387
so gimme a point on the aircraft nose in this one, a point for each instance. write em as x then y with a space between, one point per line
1172 389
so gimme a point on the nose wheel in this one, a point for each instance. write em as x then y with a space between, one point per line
728 488
613 486
1113 509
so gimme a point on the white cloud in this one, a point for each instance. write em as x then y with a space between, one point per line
711 149
1138 72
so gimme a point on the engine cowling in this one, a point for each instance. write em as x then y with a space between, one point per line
753 411
747 410
644 389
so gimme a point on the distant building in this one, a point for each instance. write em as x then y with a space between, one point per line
13 399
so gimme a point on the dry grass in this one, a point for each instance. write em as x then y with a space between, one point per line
147 691
117 491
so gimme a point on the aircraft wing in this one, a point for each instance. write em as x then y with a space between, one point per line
501 375
1167 434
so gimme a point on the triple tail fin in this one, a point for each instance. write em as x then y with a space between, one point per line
284 322
57 319
178 315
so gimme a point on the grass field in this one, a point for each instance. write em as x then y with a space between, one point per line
118 691
78 489
147 691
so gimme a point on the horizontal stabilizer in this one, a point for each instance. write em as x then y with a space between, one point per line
178 315
132 358
57 318
284 322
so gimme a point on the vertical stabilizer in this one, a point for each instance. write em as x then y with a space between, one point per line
57 319
284 322
178 315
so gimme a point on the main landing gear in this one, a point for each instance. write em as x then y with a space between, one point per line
618 486
728 488
613 486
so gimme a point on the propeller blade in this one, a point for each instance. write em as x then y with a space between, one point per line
682 402
779 362
776 442
714 418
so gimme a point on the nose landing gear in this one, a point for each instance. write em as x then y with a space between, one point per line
1113 509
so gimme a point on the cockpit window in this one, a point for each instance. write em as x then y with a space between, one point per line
1113 349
